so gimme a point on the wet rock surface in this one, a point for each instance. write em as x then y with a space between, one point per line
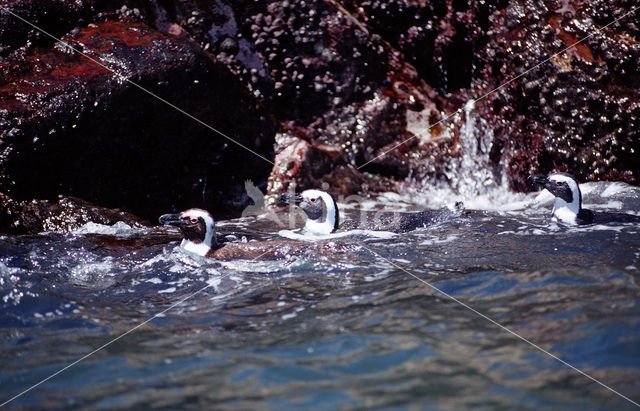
70 126
340 82
563 109
574 109
65 214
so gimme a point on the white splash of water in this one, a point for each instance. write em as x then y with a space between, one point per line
615 188
297 235
472 178
438 240
472 175
118 228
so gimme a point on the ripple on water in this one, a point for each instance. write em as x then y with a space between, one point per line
343 330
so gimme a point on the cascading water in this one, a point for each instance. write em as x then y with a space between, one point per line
342 331
471 177
472 174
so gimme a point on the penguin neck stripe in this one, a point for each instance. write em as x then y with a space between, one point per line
327 221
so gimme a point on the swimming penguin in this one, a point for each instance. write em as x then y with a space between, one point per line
199 237
320 208
323 216
568 203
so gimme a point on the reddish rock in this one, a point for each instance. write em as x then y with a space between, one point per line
345 82
69 126
576 109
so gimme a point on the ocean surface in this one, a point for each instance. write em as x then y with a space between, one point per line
392 321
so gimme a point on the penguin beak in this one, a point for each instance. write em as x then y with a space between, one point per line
288 199
170 219
538 179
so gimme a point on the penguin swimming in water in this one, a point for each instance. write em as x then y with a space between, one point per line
567 207
323 216
198 229
199 237
320 208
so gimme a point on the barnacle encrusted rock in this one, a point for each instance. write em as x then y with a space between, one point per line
71 126
366 96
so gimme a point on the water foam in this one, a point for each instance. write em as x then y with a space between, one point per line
116 229
301 236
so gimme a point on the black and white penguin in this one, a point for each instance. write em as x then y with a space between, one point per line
198 229
323 216
320 208
567 207
199 237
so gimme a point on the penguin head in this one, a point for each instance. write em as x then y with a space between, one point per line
564 187
319 206
197 227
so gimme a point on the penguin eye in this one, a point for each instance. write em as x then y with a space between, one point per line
313 200
194 220
559 183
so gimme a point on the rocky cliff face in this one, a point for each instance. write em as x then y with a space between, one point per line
570 109
70 126
544 105
358 96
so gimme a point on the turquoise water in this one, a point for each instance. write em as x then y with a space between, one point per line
349 330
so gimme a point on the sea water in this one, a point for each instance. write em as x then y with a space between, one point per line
396 321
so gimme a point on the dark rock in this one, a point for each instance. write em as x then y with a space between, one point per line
308 165
368 95
309 46
289 50
229 46
69 126
298 161
59 17
576 109
68 213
